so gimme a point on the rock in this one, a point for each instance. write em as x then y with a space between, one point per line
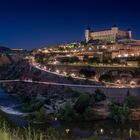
135 114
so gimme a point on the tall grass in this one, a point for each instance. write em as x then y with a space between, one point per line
7 133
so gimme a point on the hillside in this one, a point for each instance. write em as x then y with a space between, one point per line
4 59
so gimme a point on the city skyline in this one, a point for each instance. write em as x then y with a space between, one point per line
33 24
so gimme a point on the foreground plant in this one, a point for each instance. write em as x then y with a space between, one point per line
28 134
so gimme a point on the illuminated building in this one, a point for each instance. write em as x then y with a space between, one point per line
110 35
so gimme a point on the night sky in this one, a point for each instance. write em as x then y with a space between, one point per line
37 23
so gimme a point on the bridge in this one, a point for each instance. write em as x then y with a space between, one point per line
113 92
108 85
98 70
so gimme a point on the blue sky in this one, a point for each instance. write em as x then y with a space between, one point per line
36 23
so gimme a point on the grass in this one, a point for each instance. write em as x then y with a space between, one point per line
7 133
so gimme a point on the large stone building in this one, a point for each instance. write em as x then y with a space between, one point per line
110 35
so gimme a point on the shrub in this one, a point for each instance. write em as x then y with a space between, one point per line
30 107
66 113
120 114
26 108
99 95
87 72
38 116
82 103
133 101
89 114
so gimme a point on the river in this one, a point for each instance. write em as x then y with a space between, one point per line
107 129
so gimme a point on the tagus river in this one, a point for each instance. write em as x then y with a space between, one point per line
106 129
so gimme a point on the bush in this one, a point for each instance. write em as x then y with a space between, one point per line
82 103
87 72
133 101
30 107
89 114
105 77
99 95
36 105
38 116
120 114
66 113
26 108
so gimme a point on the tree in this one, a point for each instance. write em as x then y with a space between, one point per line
99 95
120 114
88 73
133 101
67 112
82 103
105 77
138 60
89 114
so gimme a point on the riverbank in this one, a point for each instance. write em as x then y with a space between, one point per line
82 130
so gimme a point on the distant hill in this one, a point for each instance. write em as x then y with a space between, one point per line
2 48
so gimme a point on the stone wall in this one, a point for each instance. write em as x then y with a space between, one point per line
98 70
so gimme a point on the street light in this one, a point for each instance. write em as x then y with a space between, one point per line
102 130
57 71
67 130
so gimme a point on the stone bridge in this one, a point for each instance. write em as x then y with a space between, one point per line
99 70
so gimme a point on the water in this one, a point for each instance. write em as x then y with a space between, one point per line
106 129
9 105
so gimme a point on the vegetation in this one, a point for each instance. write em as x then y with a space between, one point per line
82 103
105 77
133 101
88 73
38 117
7 133
138 59
43 58
99 95
82 109
67 113
95 136
32 106
73 59
93 60
119 113
89 114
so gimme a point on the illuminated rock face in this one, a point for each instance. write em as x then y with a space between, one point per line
4 60
109 34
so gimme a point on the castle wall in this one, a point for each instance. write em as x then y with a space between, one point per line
111 34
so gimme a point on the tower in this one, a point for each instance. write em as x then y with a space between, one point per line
115 29
129 33
87 34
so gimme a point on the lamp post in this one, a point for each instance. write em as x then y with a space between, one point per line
130 133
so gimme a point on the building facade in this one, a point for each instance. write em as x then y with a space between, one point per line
110 35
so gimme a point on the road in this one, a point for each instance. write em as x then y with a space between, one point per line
107 84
